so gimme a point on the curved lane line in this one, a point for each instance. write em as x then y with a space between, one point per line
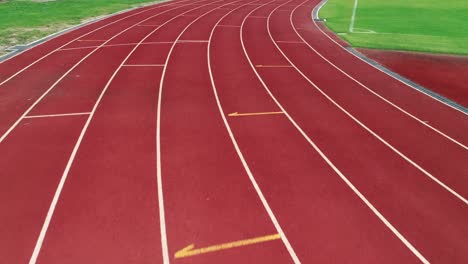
267 207
2 138
417 166
54 202
84 35
315 13
380 96
162 221
337 171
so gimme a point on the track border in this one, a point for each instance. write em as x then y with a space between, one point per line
21 48
319 151
396 76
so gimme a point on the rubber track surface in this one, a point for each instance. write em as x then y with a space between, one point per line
223 131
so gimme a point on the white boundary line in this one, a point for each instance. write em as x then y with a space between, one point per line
166 258
2 138
86 34
257 188
354 55
63 179
353 17
57 115
327 160
380 96
394 149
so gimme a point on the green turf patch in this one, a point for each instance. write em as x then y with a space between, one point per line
416 25
22 21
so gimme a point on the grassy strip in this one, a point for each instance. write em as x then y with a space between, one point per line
23 21
416 25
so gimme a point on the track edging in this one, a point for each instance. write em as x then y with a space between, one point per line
408 82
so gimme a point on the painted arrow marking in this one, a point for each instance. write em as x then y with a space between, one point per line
191 251
254 114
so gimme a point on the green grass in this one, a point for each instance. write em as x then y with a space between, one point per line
22 21
416 25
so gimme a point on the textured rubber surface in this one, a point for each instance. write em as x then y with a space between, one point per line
223 132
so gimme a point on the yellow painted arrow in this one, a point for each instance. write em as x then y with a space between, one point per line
254 114
191 251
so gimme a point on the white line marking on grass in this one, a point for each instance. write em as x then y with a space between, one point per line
377 94
410 161
340 46
58 115
353 17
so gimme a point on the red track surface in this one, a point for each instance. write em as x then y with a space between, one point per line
145 159
443 74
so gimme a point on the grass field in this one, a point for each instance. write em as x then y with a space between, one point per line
22 21
417 25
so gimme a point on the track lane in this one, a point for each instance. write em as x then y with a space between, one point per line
18 102
406 99
408 194
422 148
40 166
17 64
311 208
208 197
53 253
28 180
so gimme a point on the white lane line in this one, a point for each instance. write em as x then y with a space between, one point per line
273 218
380 96
354 55
58 191
71 41
353 16
158 137
324 157
399 153
143 65
57 115
71 69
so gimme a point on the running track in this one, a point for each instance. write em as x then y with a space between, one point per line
120 143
